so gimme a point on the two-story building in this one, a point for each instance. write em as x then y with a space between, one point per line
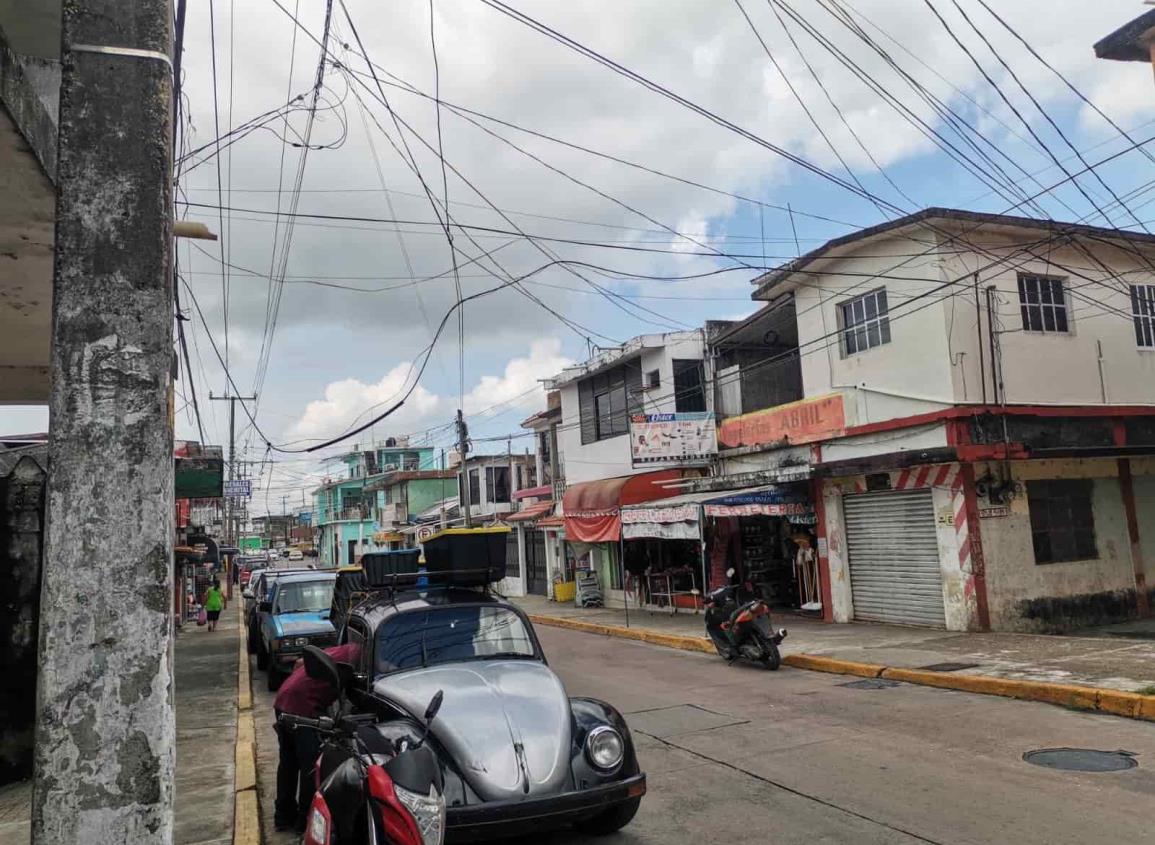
540 532
973 399
345 513
406 497
636 421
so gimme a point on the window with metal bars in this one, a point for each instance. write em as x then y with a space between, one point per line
1043 304
1143 314
865 322
1062 519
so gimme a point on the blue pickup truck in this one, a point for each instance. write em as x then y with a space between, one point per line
294 614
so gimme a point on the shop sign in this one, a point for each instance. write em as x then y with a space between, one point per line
805 421
790 509
756 497
239 487
994 513
677 513
660 438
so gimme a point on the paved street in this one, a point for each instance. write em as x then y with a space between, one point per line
738 753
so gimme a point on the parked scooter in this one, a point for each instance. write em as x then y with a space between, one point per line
740 629
371 790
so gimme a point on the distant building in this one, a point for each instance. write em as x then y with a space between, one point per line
345 513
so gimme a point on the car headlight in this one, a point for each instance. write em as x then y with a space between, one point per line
301 642
605 748
427 810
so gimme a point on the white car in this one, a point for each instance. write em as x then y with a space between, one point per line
296 554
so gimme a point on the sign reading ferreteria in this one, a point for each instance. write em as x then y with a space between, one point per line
661 438
805 421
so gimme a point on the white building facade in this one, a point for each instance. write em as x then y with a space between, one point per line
978 403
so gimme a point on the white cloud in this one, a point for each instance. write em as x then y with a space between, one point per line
350 401
519 386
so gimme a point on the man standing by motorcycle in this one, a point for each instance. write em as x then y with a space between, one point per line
299 746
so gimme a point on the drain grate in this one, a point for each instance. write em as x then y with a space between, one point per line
870 683
948 667
1081 759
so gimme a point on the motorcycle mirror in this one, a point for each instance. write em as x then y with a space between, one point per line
434 706
430 715
322 667
730 572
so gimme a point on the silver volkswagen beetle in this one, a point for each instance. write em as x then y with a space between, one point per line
518 754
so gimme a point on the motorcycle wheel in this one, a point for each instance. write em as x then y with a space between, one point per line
772 658
722 650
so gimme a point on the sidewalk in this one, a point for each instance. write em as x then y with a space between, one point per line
206 717
1105 658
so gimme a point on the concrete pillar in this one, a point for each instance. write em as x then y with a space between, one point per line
105 732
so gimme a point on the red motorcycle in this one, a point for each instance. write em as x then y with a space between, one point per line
741 629
377 783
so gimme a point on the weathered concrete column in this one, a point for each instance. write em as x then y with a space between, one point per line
105 732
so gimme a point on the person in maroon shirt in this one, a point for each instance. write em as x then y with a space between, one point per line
301 695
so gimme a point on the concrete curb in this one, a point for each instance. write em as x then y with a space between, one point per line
246 810
1115 702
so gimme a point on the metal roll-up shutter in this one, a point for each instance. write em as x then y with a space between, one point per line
894 564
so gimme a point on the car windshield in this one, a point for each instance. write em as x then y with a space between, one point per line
451 634
305 596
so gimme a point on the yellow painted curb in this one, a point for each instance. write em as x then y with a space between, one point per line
1116 702
246 810
245 776
247 820
830 664
678 641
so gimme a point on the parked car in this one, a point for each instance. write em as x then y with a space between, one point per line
254 594
294 614
518 755
296 554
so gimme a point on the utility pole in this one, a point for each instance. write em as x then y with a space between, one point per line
463 450
285 518
105 733
230 507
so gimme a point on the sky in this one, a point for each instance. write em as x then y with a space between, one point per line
328 320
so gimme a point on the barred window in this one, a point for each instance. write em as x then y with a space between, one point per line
1043 304
865 322
1062 520
1143 313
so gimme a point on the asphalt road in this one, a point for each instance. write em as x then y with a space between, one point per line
739 754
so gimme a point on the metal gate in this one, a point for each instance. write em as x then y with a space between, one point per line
536 577
894 561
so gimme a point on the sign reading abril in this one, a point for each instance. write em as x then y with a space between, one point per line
798 422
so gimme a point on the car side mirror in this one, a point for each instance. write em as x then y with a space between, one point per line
265 607
322 667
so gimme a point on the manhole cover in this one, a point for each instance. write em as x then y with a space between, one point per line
948 667
870 683
1081 759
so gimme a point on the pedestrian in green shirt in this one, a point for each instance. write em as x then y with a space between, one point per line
214 603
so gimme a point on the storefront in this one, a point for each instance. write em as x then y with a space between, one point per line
679 547
767 535
662 553
593 524
531 548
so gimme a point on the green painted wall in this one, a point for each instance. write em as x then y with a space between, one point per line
426 492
